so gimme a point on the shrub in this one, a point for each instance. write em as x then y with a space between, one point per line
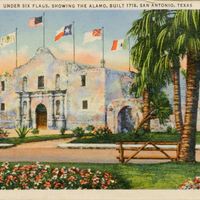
3 132
39 176
171 130
22 131
35 131
139 132
191 184
90 128
78 132
62 131
103 132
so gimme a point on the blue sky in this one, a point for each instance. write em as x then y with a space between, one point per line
116 24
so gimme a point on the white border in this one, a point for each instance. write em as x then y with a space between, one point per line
98 194
114 5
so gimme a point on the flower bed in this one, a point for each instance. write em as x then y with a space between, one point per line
39 176
191 184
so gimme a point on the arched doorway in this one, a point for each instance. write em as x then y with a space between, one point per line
125 120
41 116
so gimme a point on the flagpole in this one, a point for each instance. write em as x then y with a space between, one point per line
74 58
43 29
16 47
103 62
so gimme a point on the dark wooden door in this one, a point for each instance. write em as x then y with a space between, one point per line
41 120
41 117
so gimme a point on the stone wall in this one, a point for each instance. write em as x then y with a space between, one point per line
8 97
93 92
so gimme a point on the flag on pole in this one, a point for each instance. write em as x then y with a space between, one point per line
93 35
35 22
64 31
7 39
118 45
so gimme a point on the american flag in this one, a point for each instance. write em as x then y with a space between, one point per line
35 22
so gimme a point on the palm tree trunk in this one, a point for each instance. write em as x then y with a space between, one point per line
146 109
177 100
188 140
147 118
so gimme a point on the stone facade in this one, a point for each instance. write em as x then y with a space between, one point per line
51 93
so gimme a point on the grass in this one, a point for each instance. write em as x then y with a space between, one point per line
159 136
144 176
91 138
38 138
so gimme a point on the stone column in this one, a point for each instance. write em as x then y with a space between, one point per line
19 111
62 123
29 119
62 106
51 115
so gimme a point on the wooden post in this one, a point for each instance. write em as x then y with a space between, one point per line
178 150
121 152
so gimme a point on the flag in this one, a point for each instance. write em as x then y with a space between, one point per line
7 39
64 31
93 35
35 22
118 45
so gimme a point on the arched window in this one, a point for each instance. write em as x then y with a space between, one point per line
24 108
24 84
57 81
57 107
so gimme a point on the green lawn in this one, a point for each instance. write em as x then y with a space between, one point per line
35 138
130 137
90 138
144 176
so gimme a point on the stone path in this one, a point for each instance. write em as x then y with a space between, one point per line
48 152
43 144
108 146
2 146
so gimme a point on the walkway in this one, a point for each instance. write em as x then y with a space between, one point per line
48 152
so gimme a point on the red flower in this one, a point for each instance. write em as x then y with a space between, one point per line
1 179
83 182
71 178
47 184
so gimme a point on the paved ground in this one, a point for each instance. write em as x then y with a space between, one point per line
48 151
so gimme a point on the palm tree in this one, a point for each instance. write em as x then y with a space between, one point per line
160 108
187 23
146 109
170 61
186 32
144 55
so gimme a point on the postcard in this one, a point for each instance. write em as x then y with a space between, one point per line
99 99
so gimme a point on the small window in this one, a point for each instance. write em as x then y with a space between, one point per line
2 85
24 86
85 104
57 81
2 106
83 80
40 82
57 107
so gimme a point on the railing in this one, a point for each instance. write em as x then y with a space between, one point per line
130 150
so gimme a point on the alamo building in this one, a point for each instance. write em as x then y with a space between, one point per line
48 93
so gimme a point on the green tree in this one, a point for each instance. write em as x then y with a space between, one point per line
187 23
144 54
170 60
